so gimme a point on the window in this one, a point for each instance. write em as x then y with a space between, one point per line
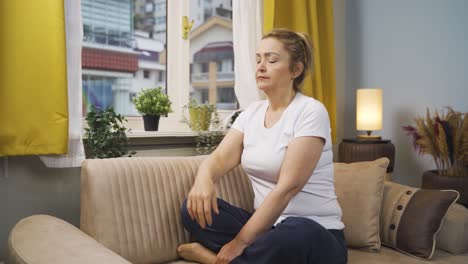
121 57
160 7
131 95
149 7
146 74
226 98
160 76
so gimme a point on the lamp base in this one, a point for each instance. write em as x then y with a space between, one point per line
368 138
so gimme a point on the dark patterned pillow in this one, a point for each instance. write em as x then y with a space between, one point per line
411 218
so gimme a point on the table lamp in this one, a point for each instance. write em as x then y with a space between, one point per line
369 112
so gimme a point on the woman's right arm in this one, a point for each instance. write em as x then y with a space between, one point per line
202 196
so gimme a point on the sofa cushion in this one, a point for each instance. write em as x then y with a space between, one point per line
411 218
391 256
359 189
453 235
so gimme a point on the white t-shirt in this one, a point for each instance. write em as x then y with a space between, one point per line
264 150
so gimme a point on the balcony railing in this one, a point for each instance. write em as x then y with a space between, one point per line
204 76
107 39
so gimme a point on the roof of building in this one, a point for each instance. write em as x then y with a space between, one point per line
213 21
214 51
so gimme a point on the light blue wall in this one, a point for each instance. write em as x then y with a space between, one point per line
416 51
30 188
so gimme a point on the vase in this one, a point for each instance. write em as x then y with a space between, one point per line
433 180
200 118
151 122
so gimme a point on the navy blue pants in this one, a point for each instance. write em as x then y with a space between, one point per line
294 240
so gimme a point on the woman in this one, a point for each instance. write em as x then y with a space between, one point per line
284 146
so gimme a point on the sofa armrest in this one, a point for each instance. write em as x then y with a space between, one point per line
453 235
45 239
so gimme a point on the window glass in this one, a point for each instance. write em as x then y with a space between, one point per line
149 7
211 54
124 51
146 74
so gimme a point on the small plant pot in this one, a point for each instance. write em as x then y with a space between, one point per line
151 122
432 180
200 118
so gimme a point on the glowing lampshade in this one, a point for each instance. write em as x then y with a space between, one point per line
369 109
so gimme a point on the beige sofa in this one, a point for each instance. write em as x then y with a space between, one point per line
130 213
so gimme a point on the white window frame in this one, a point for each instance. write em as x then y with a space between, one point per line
178 53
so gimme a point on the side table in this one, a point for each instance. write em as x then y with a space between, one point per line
353 150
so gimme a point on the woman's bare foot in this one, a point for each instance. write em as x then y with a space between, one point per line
196 252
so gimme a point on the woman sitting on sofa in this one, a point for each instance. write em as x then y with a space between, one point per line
284 146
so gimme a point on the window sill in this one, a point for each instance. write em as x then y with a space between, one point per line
172 133
159 138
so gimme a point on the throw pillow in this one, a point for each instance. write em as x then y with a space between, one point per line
359 188
453 235
412 217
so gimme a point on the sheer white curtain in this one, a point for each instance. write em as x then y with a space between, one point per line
247 25
74 37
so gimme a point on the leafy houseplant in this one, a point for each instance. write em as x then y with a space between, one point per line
444 136
105 134
152 103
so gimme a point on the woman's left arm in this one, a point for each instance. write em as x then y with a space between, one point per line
301 157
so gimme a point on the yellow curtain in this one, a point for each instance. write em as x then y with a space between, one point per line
33 80
315 18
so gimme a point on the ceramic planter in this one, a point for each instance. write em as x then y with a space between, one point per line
432 180
200 118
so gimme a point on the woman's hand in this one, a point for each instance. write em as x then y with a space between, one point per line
201 199
230 251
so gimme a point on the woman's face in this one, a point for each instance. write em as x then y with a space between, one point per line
272 71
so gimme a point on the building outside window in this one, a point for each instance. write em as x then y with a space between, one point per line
211 54
117 57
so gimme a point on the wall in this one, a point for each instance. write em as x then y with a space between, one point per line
31 188
416 51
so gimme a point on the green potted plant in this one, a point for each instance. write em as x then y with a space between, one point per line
444 136
105 134
206 141
204 119
200 115
152 103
